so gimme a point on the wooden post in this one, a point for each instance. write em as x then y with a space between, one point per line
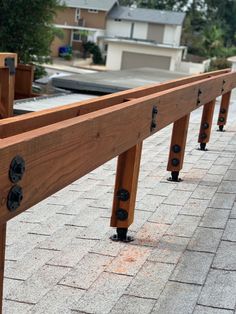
125 192
177 148
206 124
224 109
7 88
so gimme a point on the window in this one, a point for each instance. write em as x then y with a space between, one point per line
77 14
76 36
92 11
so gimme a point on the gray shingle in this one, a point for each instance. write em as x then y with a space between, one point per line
147 15
102 5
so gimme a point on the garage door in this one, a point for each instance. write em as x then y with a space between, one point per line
132 60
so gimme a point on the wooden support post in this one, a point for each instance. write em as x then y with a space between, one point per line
224 109
125 192
177 148
7 90
206 124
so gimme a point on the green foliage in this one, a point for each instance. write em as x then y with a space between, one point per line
210 25
95 51
26 27
219 64
39 72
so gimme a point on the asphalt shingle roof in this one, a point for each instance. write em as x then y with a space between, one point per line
101 5
147 15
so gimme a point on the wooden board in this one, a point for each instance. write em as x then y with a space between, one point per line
58 154
126 178
23 81
46 117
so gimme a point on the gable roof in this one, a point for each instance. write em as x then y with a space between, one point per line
101 5
147 15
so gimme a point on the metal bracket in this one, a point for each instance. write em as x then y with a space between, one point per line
154 118
10 64
122 236
174 177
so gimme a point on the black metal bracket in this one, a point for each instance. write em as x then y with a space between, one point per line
221 128
10 64
121 236
174 177
203 147
154 118
15 197
17 169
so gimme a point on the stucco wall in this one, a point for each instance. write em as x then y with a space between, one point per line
115 50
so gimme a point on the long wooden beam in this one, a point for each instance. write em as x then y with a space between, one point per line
60 153
34 120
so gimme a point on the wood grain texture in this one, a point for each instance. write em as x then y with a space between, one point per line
179 137
23 81
206 122
34 120
224 108
59 154
7 93
127 173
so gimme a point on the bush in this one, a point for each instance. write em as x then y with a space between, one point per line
68 57
95 51
39 72
219 64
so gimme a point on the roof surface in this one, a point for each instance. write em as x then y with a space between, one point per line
102 5
147 15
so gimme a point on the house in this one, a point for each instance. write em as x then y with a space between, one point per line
137 37
81 20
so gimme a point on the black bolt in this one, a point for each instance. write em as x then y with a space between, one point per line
175 162
203 136
176 149
17 169
205 125
221 119
155 110
123 195
15 198
122 214
223 111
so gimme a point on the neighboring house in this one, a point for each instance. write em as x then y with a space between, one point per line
81 20
138 37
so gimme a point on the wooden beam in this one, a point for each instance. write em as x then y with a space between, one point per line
7 80
103 134
34 120
206 124
224 109
7 55
177 147
126 188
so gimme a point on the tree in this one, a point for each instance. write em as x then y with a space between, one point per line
26 27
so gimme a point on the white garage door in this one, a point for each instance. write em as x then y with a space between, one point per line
132 60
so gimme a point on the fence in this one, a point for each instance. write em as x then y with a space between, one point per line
45 151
